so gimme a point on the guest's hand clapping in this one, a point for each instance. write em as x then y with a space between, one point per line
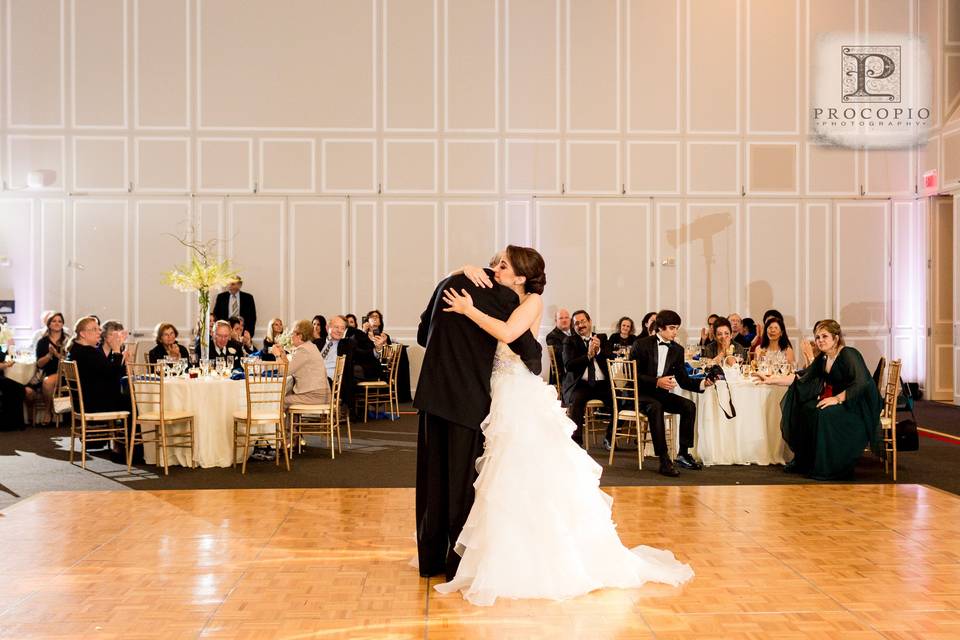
457 302
594 348
477 276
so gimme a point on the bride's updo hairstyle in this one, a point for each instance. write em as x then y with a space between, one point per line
529 263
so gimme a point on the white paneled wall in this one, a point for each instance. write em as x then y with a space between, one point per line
347 154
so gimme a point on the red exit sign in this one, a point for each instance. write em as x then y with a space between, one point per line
930 180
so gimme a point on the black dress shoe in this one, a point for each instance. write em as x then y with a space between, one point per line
686 461
667 469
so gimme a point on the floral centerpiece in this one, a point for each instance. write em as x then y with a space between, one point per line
285 340
204 271
6 334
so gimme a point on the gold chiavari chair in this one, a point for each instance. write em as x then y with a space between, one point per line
99 426
555 369
321 419
888 416
265 386
147 403
626 407
594 422
60 403
382 392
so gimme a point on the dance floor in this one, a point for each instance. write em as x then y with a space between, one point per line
833 561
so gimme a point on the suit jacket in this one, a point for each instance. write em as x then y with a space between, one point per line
364 355
232 357
645 352
555 339
575 362
345 347
248 309
454 379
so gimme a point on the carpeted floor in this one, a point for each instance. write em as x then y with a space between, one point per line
383 454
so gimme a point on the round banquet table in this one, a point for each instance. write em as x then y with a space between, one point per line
212 401
22 371
752 437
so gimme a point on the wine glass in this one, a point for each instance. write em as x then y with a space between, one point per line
219 365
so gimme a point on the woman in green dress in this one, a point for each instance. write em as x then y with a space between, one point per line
832 411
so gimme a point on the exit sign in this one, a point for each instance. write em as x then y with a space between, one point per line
930 180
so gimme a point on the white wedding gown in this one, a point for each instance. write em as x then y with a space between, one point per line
540 526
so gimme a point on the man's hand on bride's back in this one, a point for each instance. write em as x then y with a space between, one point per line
457 302
477 276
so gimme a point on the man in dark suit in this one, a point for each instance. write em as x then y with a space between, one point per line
586 376
453 397
555 338
660 369
233 302
338 344
224 346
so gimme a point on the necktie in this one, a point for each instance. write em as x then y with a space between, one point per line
326 349
591 372
661 343
234 305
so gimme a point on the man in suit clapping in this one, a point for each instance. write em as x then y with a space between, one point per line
586 377
660 370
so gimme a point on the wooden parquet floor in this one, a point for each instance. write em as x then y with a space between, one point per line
796 561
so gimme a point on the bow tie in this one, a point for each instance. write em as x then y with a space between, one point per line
661 343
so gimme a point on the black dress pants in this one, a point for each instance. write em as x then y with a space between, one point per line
583 393
446 470
655 405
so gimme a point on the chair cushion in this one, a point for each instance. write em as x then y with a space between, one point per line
107 415
257 416
309 408
168 416
594 403
372 383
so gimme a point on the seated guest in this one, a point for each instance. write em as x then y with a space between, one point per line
660 370
775 339
373 326
832 411
239 334
274 331
166 336
624 336
586 375
224 346
319 330
706 333
648 326
769 313
45 322
555 339
736 325
13 395
351 321
809 350
100 363
337 344
50 350
724 350
749 330
305 366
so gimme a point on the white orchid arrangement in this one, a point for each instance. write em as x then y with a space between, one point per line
285 340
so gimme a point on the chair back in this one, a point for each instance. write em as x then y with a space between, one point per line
71 382
554 369
337 382
891 390
146 389
393 361
266 384
623 386
878 374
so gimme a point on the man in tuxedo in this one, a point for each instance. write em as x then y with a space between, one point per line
233 302
736 326
586 376
224 346
660 369
555 339
453 398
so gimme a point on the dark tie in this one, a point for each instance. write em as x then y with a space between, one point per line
591 372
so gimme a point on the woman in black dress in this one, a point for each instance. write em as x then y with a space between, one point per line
624 337
166 336
832 411
50 349
99 368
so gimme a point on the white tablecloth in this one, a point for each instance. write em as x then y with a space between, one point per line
752 437
212 402
21 371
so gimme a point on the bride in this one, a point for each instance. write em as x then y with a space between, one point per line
540 526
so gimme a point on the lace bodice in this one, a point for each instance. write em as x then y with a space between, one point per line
506 361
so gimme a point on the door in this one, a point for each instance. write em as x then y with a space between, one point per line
940 354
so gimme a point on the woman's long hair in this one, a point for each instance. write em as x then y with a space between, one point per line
783 342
